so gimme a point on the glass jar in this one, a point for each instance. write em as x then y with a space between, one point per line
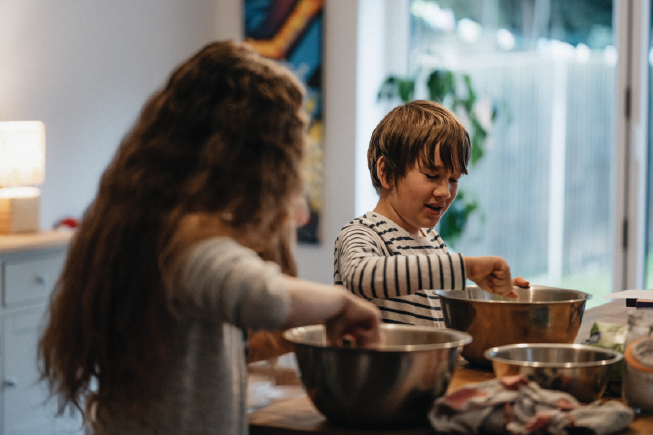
637 385
640 324
638 375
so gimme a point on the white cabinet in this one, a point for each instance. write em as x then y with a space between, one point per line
29 268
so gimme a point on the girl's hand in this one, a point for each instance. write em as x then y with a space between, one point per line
347 317
357 323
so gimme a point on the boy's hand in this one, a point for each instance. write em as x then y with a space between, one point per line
520 281
492 274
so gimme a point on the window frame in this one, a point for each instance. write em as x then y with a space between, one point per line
631 24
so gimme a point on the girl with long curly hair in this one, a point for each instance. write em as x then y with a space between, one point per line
163 276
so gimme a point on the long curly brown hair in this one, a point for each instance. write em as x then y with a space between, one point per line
225 137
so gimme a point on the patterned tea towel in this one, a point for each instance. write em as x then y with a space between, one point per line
515 405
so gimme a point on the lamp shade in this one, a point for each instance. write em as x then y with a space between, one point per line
22 153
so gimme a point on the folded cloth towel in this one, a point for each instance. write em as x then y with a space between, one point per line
515 405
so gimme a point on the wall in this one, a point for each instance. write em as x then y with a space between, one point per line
340 51
85 68
383 43
365 40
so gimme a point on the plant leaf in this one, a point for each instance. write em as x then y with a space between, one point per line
440 84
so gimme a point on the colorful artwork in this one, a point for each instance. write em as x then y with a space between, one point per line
290 31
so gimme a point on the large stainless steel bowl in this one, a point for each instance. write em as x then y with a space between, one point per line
539 315
393 384
580 370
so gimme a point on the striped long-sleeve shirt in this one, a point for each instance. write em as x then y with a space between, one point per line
381 262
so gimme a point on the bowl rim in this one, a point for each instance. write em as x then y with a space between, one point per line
616 355
453 295
462 339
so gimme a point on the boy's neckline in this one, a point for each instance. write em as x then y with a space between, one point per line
418 237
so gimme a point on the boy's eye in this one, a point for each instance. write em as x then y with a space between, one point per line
431 177
455 177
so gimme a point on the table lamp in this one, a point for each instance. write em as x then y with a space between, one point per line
22 166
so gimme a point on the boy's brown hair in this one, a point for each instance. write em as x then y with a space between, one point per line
410 133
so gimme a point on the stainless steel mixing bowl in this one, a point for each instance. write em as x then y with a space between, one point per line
580 370
539 315
393 384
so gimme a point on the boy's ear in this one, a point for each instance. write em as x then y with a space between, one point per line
380 172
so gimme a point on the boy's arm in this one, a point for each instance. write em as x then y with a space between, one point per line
368 270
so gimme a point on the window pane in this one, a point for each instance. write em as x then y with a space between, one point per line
543 185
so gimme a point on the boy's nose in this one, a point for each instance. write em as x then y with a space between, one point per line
442 191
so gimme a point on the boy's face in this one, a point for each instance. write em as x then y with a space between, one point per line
420 198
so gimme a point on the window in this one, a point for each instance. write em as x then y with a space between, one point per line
559 188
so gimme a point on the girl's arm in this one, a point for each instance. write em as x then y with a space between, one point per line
230 283
343 313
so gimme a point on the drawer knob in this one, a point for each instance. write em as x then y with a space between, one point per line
41 279
11 382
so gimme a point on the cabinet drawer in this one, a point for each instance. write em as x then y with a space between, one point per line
30 279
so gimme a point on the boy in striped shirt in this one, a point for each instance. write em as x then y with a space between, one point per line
392 256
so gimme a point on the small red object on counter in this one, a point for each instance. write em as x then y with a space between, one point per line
67 223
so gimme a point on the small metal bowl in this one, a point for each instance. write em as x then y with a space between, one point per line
391 385
580 370
539 314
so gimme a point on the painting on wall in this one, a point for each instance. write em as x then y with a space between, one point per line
290 32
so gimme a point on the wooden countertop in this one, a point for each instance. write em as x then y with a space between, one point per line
299 416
